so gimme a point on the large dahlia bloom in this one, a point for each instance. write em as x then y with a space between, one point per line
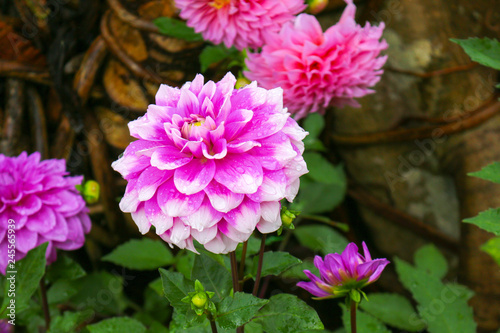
43 204
212 163
341 273
241 23
317 70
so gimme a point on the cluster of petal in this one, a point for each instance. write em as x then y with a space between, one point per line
239 23
317 70
212 163
341 273
44 205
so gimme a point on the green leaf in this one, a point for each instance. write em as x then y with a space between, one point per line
490 172
394 310
482 50
157 285
117 325
28 273
287 313
175 288
156 305
184 263
442 307
321 238
235 311
314 197
314 124
274 263
488 220
322 171
213 54
176 28
365 323
492 247
212 275
100 291
253 327
69 321
297 271
64 268
429 259
143 254
61 291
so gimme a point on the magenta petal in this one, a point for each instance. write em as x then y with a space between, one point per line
235 122
205 217
60 230
156 217
221 198
25 240
141 220
245 217
28 205
194 176
273 187
271 217
42 220
169 158
174 203
240 174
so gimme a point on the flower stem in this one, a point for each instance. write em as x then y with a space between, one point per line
45 304
234 272
212 323
242 263
259 266
353 316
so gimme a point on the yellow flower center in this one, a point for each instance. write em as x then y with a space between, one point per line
219 3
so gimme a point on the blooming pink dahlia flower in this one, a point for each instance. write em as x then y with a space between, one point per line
241 23
43 205
317 69
212 163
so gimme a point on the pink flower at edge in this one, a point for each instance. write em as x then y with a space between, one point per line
317 70
341 273
44 204
238 22
212 163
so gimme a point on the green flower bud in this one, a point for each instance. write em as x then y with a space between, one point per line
316 6
287 217
200 300
91 191
241 82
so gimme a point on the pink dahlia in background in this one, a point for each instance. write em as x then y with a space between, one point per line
317 70
44 205
341 273
241 23
211 163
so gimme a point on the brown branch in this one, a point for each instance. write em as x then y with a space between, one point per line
9 68
38 123
115 48
84 78
402 219
438 72
13 116
130 18
463 122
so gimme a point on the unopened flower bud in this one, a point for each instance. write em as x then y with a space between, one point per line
287 217
316 6
241 82
91 191
200 299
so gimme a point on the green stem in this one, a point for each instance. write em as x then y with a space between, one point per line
259 266
234 271
353 316
45 304
242 263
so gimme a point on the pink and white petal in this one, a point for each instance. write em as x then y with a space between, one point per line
141 220
271 217
245 217
188 103
296 168
156 217
292 190
218 151
239 173
273 187
221 198
144 129
179 232
216 245
238 147
236 121
206 235
149 181
169 158
266 121
232 233
173 203
275 151
205 217
130 199
194 176
167 96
